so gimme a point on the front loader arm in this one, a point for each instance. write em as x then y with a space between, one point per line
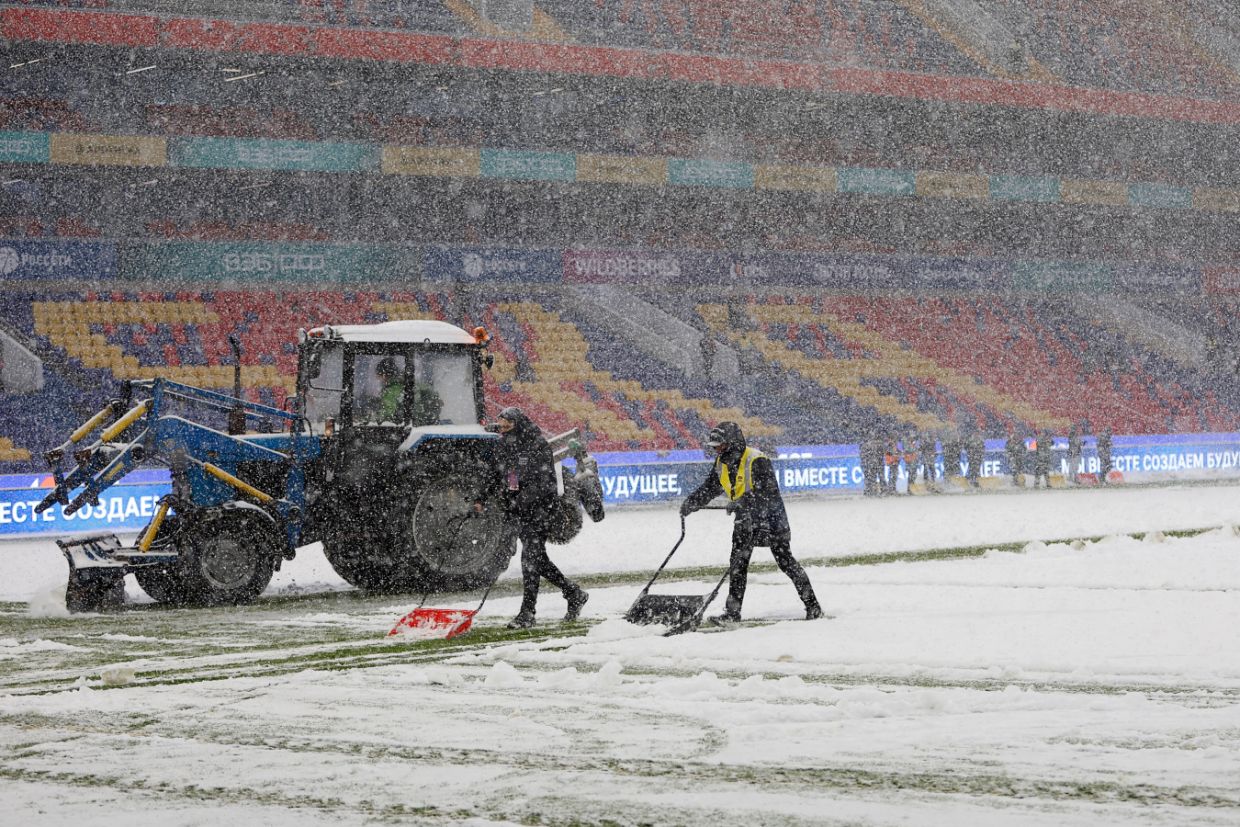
164 437
120 463
97 465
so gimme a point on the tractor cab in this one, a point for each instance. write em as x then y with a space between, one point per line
391 378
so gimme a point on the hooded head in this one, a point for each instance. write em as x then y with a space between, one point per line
727 441
514 422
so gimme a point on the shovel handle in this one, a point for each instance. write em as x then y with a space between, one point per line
666 559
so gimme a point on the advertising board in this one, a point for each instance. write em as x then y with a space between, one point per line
622 169
648 477
25 148
22 260
1161 196
641 267
486 264
932 184
256 262
874 181
109 150
122 508
1040 188
442 162
706 173
528 166
787 177
265 153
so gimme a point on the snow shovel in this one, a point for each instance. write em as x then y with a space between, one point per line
443 624
679 612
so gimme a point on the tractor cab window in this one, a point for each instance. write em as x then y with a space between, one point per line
324 384
444 389
379 389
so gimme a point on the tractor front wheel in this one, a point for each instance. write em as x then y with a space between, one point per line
226 558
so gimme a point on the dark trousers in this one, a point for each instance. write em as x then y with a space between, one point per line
536 565
889 481
781 550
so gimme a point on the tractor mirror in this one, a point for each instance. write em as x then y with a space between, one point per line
314 364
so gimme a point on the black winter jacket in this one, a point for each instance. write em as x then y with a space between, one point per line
760 510
528 474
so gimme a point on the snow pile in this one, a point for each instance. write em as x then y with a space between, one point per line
48 600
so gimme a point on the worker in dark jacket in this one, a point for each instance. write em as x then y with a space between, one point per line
975 454
1042 460
533 501
745 476
1015 456
1104 455
1074 455
927 452
871 463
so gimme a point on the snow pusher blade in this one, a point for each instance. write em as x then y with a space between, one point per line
97 568
435 623
96 578
679 612
672 610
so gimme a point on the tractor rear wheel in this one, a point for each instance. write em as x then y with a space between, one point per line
453 537
458 536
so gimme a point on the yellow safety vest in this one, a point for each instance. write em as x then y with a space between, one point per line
744 475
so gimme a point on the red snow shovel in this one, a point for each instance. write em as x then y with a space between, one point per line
440 624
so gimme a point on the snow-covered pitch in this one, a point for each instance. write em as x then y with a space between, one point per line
1060 680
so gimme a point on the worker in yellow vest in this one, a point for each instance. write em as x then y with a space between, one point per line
745 476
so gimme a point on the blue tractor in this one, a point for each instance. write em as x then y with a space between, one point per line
382 456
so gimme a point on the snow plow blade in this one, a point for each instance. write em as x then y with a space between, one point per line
97 569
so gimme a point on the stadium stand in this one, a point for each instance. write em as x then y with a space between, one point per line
814 367
1125 46
1117 44
1046 358
542 364
35 113
839 164
877 33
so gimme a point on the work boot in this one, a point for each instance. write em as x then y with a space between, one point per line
576 599
731 613
523 620
813 611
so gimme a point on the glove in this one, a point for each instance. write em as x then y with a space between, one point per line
739 508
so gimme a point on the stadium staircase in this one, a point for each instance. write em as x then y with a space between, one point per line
562 378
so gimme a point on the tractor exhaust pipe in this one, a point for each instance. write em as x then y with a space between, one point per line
236 417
